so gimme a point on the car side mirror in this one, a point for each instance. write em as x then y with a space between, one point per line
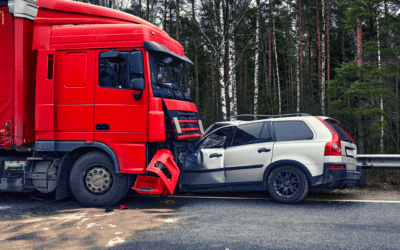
137 84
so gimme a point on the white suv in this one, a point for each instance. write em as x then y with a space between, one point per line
287 155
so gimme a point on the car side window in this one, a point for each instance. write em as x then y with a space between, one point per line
247 134
292 130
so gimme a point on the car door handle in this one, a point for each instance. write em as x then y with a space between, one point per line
263 150
215 155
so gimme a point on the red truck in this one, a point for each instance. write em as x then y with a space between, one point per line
93 101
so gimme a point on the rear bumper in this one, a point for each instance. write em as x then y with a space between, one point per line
336 178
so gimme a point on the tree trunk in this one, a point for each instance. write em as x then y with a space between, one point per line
300 78
308 58
170 19
297 55
327 42
397 112
148 10
343 49
360 61
319 47
359 39
196 65
256 60
221 63
270 45
380 79
232 65
323 59
277 72
140 8
212 54
165 15
177 20
264 51
245 84
328 60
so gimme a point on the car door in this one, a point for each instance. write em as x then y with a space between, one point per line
205 166
249 155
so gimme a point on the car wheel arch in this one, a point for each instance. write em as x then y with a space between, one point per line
276 164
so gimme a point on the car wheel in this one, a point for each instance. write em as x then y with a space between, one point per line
94 183
287 184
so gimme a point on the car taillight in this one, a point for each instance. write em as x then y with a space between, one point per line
336 167
333 147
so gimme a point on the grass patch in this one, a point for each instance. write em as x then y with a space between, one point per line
382 179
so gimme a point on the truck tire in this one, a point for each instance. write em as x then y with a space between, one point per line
287 184
94 183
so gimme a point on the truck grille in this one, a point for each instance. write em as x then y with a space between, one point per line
185 122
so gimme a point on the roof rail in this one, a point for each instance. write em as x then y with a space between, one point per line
267 116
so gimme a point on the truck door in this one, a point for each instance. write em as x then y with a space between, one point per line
121 121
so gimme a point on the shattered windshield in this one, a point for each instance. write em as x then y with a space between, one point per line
169 76
216 139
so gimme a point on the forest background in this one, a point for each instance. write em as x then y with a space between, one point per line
336 58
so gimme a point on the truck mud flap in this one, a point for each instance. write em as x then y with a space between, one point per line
167 175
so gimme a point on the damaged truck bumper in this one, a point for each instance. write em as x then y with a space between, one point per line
163 175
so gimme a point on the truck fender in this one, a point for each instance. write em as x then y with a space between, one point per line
156 185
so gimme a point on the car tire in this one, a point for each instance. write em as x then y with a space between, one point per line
287 184
94 182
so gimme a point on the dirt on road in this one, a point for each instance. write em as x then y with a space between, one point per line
79 228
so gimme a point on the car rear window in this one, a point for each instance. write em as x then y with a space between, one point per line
292 131
339 130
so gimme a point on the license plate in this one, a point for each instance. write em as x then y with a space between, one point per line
349 152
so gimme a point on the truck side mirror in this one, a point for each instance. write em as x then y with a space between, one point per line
137 84
136 73
136 63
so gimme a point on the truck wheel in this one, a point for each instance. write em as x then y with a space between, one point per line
287 184
94 182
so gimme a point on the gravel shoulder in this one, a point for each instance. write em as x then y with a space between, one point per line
366 193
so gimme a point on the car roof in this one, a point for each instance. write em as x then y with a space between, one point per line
290 118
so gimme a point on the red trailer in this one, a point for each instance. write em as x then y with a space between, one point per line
93 101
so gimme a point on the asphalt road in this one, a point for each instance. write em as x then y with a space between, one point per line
234 223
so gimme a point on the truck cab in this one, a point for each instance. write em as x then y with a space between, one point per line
82 83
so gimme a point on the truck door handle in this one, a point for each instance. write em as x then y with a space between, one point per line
263 150
102 127
215 155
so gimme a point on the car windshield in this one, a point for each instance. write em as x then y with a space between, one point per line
212 128
169 76
216 139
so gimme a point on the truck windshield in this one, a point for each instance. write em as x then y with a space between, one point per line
169 77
